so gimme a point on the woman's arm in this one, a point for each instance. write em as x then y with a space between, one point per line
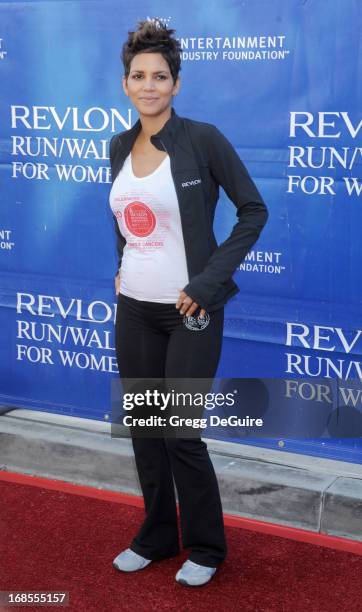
229 172
121 241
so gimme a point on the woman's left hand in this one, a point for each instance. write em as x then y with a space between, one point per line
187 305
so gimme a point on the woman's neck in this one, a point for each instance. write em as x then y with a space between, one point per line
152 125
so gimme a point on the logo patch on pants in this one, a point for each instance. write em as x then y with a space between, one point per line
197 323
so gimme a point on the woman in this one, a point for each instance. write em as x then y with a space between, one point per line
172 282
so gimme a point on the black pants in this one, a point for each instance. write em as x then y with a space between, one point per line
153 341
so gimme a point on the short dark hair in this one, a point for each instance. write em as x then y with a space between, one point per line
152 36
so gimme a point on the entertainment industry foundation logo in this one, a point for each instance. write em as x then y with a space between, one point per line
197 323
267 262
5 243
231 48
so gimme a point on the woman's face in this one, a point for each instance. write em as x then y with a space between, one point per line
150 85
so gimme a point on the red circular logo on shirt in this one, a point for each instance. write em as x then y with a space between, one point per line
139 219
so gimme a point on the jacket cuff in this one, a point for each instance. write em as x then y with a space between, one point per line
201 290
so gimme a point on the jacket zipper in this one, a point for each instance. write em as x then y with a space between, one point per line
178 200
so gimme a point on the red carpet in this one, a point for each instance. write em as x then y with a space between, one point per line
57 541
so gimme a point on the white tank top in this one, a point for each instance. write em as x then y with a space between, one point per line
153 264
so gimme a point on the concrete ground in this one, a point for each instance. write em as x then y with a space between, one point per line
320 495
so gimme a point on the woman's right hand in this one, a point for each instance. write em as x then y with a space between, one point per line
117 283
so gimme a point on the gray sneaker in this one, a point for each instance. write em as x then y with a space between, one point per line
129 561
193 574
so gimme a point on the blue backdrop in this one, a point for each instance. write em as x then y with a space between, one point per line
281 80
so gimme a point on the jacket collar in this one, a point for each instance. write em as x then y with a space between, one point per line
164 138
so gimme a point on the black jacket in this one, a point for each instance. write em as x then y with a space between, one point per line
201 159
